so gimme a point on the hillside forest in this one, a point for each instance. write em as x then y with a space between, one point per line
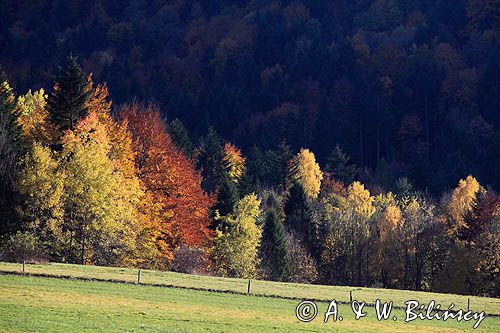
334 142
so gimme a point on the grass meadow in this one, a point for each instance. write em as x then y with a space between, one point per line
44 304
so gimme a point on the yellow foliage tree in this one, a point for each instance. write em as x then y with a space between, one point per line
236 246
122 156
234 162
100 221
34 119
307 172
41 184
461 202
389 214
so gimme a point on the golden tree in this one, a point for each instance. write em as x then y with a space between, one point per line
307 172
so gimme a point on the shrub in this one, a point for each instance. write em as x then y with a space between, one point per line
22 246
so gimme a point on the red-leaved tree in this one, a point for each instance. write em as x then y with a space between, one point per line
170 178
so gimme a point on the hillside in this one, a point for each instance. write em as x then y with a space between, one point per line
407 88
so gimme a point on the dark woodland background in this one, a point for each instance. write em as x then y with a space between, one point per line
406 88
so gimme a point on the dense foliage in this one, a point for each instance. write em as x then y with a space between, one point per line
360 125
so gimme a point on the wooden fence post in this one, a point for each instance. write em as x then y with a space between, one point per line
139 277
350 296
249 284
24 262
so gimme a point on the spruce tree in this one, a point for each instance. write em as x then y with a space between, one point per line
180 137
255 170
67 104
299 216
275 248
276 165
211 161
339 164
227 196
11 149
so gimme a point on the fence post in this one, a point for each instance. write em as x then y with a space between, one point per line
468 303
139 277
249 284
350 296
24 262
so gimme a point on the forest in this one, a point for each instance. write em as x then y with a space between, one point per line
335 142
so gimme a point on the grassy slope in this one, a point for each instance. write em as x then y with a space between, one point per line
303 291
59 305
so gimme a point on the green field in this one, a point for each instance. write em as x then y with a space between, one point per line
40 304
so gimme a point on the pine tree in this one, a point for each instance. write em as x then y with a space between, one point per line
339 164
180 137
67 104
275 247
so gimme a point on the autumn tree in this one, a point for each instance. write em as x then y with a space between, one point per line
303 267
99 225
384 234
234 162
485 210
33 117
236 245
460 203
40 183
122 155
169 177
67 103
306 171
345 252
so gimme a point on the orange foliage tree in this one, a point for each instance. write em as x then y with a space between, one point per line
170 178
123 155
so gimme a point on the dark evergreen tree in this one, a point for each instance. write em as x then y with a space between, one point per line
275 248
67 103
11 149
180 137
339 164
277 163
255 167
211 161
248 184
227 196
299 217
3 76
